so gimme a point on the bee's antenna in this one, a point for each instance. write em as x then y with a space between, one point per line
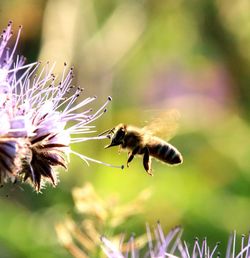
108 132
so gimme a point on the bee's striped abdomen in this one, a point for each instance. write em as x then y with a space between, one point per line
166 153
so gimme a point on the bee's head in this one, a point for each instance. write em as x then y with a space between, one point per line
117 136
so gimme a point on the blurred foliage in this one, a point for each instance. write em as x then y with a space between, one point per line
150 55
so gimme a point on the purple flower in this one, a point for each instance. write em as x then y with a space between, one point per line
203 250
42 115
161 246
171 245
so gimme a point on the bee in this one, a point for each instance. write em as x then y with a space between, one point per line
141 141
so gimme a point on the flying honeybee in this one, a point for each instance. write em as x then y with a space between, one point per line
141 141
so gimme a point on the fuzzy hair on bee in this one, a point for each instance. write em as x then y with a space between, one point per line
141 141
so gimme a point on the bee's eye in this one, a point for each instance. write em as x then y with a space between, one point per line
120 134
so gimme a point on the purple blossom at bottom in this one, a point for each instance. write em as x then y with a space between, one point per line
171 245
41 116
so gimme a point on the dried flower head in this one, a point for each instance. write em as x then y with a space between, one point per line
96 216
42 115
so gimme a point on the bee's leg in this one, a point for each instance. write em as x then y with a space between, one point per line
147 161
131 155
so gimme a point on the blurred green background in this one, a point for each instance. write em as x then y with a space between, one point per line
150 56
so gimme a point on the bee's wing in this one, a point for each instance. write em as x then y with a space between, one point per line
164 124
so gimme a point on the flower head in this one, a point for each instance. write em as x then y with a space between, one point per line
159 245
171 245
42 114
